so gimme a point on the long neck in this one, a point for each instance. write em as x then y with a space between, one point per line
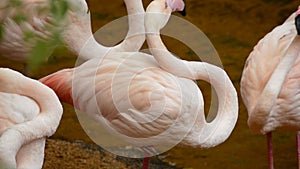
273 87
136 32
80 40
217 131
92 49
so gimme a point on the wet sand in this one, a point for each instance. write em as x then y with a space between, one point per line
233 27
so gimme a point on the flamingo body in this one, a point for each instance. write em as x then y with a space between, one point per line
270 83
27 118
260 78
130 90
31 155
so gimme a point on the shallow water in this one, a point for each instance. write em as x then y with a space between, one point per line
233 27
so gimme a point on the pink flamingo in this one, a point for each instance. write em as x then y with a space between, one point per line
24 23
138 99
30 111
270 82
76 28
157 16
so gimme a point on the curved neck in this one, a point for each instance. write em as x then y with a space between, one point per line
136 32
217 131
79 36
273 87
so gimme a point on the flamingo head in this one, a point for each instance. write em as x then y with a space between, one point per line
158 13
177 5
79 28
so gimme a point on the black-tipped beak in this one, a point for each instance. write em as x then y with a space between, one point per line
297 23
183 12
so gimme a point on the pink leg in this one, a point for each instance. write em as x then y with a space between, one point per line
146 163
298 148
270 150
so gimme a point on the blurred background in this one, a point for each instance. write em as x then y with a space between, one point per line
234 27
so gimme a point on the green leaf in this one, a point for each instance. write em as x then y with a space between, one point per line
28 35
19 18
40 52
59 8
15 3
41 48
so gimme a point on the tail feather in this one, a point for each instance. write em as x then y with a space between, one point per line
61 83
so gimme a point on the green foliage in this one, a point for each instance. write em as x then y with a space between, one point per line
56 11
44 48
19 18
59 8
39 53
15 3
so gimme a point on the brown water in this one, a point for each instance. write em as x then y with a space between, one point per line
234 27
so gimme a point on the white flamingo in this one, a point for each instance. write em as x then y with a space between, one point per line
30 112
270 82
140 100
76 28
157 16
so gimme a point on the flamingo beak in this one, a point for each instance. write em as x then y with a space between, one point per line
177 5
183 12
297 23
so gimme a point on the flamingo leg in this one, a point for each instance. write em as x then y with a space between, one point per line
270 150
148 150
146 163
298 148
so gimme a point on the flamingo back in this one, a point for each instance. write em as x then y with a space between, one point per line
15 109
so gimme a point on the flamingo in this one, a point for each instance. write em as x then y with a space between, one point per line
24 24
270 83
157 16
16 44
132 95
30 111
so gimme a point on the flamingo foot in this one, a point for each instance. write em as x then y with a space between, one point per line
270 150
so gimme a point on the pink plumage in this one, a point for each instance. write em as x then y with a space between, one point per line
30 112
270 83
